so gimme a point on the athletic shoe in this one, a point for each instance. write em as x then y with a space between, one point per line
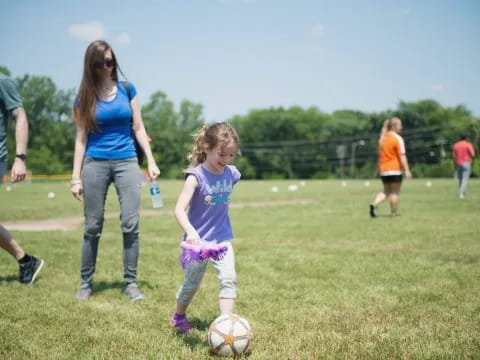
373 211
84 292
180 323
133 292
30 270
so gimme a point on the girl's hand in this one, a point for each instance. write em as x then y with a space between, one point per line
192 238
77 191
153 171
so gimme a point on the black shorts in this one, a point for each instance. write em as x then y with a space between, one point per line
388 179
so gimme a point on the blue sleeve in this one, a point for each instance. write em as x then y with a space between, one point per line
236 173
194 172
133 90
131 87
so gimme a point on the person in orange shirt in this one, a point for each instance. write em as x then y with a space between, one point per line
392 164
463 153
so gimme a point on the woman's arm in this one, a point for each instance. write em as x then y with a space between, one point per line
404 162
80 146
141 136
181 209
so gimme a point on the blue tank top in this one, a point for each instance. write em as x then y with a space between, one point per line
208 212
113 138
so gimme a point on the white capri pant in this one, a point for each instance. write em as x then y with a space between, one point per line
225 270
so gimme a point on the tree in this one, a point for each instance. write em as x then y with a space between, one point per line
51 131
171 131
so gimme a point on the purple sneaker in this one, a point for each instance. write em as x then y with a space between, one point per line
181 323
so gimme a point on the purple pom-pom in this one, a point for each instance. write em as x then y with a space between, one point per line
201 251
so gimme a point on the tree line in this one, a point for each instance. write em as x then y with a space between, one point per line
277 142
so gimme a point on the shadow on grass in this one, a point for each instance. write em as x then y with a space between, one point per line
8 278
386 216
194 340
200 324
104 285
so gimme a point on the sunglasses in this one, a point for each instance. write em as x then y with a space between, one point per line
109 63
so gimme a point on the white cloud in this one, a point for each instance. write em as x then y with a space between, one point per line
89 31
318 30
402 11
231 1
439 87
123 39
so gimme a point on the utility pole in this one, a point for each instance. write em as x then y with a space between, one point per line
352 158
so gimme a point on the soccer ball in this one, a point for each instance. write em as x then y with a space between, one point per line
229 335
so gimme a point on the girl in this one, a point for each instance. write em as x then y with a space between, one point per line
209 182
392 164
107 115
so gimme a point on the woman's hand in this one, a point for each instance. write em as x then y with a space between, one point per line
77 190
153 171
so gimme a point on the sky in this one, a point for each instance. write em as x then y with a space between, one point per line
233 56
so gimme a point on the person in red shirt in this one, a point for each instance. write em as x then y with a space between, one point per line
463 153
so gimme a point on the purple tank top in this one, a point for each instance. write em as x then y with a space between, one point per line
208 212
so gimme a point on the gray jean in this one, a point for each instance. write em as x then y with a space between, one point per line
97 175
463 174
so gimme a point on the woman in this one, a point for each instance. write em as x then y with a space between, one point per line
105 153
392 164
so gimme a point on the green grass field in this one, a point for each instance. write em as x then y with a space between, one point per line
318 279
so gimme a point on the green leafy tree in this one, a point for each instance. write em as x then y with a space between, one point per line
171 131
51 131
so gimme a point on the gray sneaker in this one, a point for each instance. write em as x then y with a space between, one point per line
83 293
133 292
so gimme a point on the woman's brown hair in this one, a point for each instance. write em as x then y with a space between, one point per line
85 103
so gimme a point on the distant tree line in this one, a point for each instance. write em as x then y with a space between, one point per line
277 142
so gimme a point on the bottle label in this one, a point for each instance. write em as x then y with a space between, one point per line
154 191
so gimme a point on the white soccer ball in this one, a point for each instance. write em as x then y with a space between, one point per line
51 195
292 187
429 184
275 189
8 188
229 335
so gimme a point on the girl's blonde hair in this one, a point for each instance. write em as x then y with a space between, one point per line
218 134
388 125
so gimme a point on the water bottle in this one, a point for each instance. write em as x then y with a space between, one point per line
155 194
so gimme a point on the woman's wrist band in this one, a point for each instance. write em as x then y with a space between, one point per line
75 182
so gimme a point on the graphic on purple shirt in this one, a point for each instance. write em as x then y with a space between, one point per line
208 212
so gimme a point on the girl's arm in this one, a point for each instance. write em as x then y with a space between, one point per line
141 136
181 209
80 146
404 162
